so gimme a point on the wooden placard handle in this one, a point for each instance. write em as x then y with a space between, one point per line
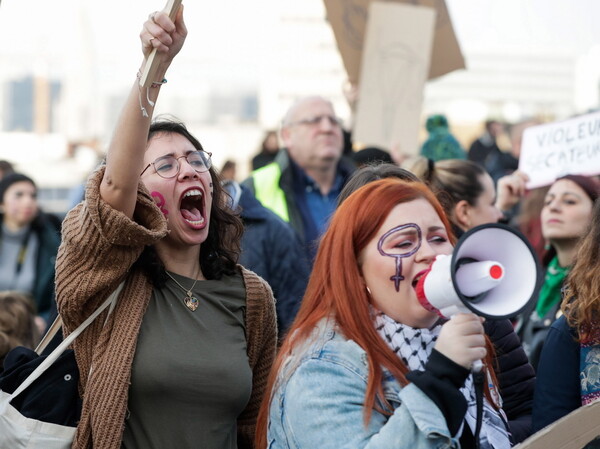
149 72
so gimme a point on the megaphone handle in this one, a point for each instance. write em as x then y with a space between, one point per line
478 380
477 366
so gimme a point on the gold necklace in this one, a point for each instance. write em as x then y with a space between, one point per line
190 301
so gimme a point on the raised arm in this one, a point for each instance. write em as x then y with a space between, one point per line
125 158
510 190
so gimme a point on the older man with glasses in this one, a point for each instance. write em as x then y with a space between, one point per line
304 181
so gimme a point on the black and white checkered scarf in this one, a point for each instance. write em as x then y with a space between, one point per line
413 346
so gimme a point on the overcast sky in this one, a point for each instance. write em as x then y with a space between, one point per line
228 38
233 33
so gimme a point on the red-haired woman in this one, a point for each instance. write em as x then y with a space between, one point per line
365 365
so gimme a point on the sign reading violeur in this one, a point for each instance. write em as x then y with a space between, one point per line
556 149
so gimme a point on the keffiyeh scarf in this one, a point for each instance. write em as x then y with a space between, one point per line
413 346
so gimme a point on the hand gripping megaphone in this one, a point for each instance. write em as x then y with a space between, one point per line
492 272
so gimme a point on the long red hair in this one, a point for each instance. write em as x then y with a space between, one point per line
336 289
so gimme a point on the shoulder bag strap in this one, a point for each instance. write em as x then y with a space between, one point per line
54 355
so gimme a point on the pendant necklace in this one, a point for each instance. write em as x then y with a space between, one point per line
190 301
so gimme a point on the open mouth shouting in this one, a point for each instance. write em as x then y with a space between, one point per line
418 277
192 207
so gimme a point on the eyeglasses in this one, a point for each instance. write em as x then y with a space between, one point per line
168 166
316 120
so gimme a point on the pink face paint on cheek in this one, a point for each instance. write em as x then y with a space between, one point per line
160 202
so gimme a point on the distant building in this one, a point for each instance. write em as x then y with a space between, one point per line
30 104
239 106
510 85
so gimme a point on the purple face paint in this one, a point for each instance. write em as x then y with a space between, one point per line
160 202
399 256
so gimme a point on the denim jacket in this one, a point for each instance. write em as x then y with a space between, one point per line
318 402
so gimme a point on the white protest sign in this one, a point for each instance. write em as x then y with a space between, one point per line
556 149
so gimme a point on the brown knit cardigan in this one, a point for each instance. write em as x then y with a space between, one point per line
99 247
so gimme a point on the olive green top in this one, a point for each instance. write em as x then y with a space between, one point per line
190 376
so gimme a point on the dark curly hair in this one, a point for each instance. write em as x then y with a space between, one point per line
221 249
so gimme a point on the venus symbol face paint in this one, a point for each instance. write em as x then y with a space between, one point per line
160 202
405 240
405 245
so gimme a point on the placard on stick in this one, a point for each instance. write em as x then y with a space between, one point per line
153 61
394 70
556 149
348 18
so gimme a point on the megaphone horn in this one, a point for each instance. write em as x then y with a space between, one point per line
493 272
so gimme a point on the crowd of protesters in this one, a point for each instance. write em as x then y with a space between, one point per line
282 311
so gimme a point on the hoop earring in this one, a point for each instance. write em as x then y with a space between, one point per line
368 289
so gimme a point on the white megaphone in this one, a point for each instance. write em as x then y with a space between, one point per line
492 272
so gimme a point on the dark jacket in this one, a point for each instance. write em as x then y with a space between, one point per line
558 388
43 290
481 148
272 250
534 332
533 329
262 159
499 164
45 228
288 184
516 377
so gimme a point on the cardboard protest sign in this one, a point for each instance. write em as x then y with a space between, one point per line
395 65
349 18
557 149
580 429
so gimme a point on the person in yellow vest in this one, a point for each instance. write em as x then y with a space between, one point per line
303 182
